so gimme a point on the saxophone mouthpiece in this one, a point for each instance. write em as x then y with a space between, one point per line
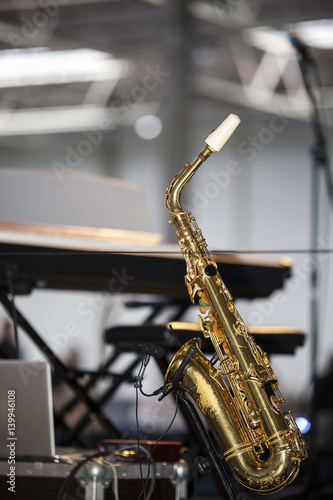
217 139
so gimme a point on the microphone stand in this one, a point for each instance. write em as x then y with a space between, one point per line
319 161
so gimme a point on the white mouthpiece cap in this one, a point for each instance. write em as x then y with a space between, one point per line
217 139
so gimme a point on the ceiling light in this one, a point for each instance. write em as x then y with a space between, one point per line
269 40
317 34
24 67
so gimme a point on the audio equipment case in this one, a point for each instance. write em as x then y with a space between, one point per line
41 480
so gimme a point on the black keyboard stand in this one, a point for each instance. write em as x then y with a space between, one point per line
65 374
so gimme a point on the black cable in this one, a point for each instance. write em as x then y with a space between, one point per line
155 445
137 386
155 393
309 70
320 159
146 351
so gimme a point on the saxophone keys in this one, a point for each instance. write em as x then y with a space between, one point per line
203 302
230 307
254 420
203 327
210 270
240 328
275 403
275 388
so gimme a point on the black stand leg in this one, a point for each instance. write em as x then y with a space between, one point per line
211 461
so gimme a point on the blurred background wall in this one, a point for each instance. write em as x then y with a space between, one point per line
130 89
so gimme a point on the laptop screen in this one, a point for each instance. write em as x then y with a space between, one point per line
26 409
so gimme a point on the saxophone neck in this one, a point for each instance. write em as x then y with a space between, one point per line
214 142
175 188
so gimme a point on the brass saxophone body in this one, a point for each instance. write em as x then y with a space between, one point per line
239 399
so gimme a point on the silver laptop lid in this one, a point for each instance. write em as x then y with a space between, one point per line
26 409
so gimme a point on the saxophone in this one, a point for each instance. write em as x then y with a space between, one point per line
239 399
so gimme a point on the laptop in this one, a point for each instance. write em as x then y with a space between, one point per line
26 409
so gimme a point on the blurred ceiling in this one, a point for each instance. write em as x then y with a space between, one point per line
75 65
